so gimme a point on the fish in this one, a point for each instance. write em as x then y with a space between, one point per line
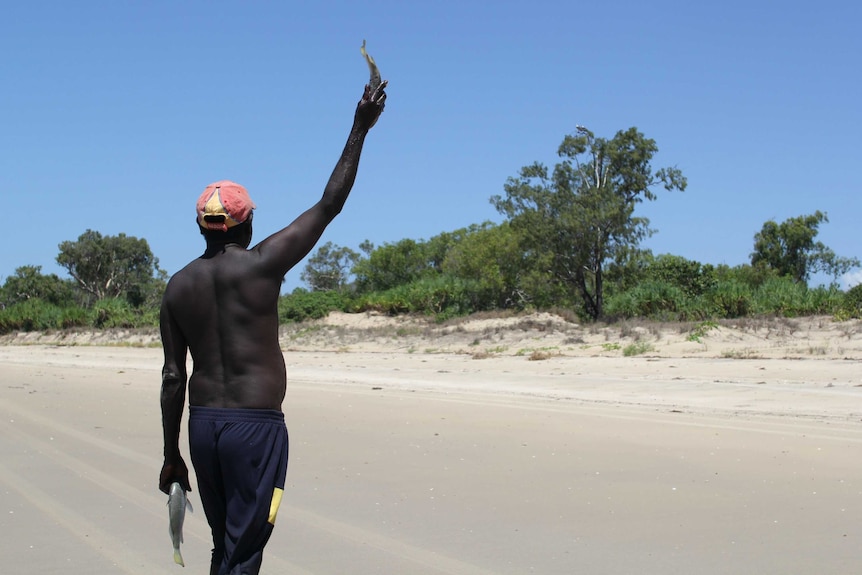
374 80
177 504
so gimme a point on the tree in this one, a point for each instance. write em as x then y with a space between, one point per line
582 216
30 283
406 261
692 277
329 268
437 249
789 249
110 266
491 256
392 265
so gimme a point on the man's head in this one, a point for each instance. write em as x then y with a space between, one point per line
223 205
224 212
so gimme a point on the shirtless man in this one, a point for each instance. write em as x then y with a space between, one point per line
223 308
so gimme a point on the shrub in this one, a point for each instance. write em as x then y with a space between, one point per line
442 296
38 315
693 278
851 303
730 299
788 298
30 315
652 299
75 317
701 330
637 348
302 304
119 313
824 300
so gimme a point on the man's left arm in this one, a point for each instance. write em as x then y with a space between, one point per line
173 399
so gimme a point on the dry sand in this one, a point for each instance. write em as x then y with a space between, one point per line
499 445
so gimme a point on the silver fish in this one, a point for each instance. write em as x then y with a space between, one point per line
374 80
177 504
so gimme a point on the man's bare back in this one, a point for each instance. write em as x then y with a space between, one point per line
234 342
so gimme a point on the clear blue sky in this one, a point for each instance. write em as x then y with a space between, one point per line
116 115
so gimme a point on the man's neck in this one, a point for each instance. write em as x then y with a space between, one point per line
215 248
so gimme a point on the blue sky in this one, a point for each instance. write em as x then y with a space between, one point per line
116 115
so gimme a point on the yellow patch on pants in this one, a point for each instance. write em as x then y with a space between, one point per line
274 504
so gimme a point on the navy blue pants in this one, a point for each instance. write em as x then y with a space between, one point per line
240 458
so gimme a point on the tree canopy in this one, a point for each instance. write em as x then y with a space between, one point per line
393 265
30 283
581 216
329 267
110 266
789 248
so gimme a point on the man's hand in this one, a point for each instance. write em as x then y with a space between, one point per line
174 471
371 105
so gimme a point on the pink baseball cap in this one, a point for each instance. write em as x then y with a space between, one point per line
227 199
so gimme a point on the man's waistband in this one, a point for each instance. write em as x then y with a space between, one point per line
199 413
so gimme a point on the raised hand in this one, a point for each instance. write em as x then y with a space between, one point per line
371 105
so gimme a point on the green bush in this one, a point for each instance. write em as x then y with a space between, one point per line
303 304
442 297
730 299
29 315
651 299
119 313
693 278
622 305
824 300
788 298
781 296
637 348
74 317
851 304
752 276
38 315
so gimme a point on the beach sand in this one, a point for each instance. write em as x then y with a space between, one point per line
501 445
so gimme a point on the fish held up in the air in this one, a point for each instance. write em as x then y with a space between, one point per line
177 503
374 80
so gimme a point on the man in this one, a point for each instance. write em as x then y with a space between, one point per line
223 308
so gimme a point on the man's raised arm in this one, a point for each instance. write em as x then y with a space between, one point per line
341 181
285 248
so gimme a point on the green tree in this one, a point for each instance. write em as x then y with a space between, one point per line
407 261
789 248
392 265
627 270
329 267
438 247
751 276
692 277
581 217
30 283
490 255
110 266
366 247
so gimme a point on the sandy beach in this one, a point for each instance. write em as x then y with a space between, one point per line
495 446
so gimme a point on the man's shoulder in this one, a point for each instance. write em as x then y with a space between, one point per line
185 277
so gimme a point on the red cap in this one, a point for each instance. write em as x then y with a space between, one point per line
227 199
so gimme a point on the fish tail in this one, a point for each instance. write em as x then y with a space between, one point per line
178 558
